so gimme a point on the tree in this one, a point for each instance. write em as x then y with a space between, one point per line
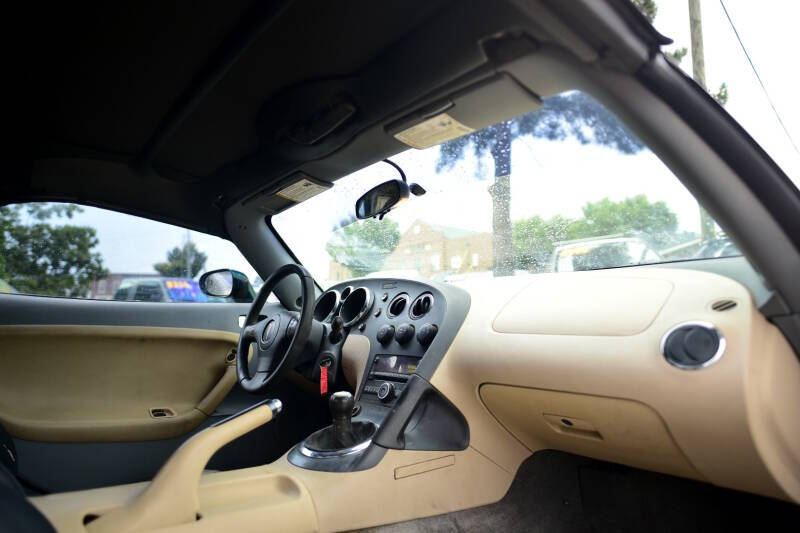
42 258
655 221
182 261
649 10
572 114
535 238
363 246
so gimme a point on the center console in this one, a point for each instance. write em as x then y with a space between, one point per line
408 326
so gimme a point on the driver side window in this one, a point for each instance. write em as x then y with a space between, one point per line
73 251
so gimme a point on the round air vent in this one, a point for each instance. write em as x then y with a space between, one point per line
346 292
356 306
398 305
693 345
421 306
326 306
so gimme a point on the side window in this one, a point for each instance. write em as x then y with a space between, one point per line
72 251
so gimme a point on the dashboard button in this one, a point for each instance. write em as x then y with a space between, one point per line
385 391
385 334
405 332
426 334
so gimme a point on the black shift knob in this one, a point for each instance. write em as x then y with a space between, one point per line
341 406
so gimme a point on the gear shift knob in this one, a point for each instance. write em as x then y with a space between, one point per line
341 406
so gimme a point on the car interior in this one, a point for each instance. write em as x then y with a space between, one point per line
657 396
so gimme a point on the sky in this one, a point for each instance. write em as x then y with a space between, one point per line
130 244
766 28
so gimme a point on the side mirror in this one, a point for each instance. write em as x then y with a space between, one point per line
226 283
381 199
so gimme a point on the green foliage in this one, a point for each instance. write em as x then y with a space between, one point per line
42 258
182 261
678 54
534 237
363 246
572 114
655 221
721 96
648 8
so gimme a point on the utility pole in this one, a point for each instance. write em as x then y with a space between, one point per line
707 229
187 254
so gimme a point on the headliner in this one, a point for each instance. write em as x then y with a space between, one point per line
176 110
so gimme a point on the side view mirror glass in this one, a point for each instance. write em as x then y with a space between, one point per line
226 283
217 283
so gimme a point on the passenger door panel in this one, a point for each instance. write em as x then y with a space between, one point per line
90 383
78 380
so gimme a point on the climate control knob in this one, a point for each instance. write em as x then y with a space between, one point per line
385 334
426 334
385 391
405 332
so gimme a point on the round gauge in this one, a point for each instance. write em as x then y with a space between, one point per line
326 306
356 306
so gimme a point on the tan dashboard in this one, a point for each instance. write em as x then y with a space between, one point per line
572 361
568 361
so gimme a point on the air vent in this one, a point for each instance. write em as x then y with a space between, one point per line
421 305
692 345
723 305
398 305
346 292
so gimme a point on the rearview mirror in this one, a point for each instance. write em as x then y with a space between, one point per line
226 283
381 199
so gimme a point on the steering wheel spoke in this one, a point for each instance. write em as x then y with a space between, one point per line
264 359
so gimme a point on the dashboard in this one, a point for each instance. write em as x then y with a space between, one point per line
401 318
670 370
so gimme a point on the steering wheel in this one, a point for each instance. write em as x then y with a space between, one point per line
269 335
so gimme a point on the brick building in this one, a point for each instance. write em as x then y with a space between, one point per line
434 250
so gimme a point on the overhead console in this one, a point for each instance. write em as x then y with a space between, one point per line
405 328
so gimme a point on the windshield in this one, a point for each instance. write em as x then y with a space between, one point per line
563 188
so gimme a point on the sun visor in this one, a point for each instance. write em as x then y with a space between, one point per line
481 105
295 189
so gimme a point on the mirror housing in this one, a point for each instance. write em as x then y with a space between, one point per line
381 199
227 283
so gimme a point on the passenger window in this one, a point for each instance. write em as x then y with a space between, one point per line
67 250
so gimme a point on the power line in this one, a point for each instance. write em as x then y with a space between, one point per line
760 81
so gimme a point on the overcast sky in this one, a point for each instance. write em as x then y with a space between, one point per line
133 245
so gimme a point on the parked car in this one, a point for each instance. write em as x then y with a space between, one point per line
720 247
161 290
603 252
